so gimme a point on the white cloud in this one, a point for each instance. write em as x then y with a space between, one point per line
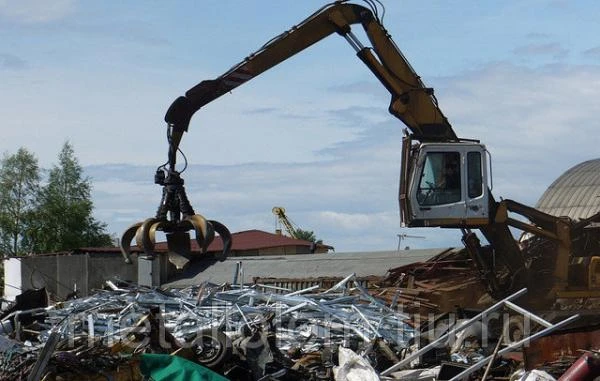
536 123
36 11
515 108
552 49
356 222
312 134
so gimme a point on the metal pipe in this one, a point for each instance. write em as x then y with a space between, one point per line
90 323
494 354
294 308
311 288
466 324
531 316
375 331
267 286
543 332
353 41
236 272
341 283
585 368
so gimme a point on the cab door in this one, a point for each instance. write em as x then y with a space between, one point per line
448 185
437 186
477 197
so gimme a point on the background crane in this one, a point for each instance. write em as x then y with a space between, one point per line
402 236
283 220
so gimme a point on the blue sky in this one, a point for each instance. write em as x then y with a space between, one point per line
312 134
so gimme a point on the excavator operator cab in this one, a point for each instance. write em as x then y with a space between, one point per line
444 184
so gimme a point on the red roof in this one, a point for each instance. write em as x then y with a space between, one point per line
257 239
242 241
247 240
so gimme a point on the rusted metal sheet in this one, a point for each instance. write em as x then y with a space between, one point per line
560 345
294 284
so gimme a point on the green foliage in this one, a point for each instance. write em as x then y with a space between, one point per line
307 235
49 218
65 220
19 187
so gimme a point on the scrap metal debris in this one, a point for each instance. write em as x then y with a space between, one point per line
219 327
254 332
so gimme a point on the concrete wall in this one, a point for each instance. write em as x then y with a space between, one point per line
38 272
63 274
107 266
71 275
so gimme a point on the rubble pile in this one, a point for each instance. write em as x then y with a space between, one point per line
221 328
437 285
253 333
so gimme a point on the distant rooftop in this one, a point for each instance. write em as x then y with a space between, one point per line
248 240
300 266
575 194
242 241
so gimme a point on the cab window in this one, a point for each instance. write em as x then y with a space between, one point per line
440 181
474 174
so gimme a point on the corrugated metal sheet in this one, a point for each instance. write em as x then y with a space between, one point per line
575 194
363 264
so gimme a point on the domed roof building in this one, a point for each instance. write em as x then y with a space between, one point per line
575 194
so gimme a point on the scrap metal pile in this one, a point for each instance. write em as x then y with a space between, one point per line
437 285
242 333
236 331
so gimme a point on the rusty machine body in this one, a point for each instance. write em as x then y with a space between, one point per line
432 194
548 257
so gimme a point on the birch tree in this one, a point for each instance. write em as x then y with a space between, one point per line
19 187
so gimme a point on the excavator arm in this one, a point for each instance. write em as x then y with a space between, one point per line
423 200
411 101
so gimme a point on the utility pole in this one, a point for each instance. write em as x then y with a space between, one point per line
404 236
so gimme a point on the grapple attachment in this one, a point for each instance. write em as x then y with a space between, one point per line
175 218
